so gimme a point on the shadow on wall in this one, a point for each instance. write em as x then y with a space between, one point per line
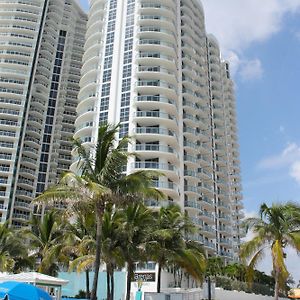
77 282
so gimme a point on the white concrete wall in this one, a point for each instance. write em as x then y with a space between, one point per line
197 294
235 295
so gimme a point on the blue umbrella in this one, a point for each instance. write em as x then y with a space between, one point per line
14 290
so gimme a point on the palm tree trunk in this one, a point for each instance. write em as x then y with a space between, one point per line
112 284
276 296
87 282
159 278
99 214
129 276
108 283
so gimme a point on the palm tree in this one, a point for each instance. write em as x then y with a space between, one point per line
102 182
136 225
235 271
13 252
80 243
111 246
277 228
46 240
215 266
167 245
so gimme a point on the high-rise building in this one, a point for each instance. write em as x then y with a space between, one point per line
150 66
41 48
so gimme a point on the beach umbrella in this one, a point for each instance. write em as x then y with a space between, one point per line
13 290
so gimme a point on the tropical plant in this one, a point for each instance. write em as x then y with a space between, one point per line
13 252
235 271
215 266
277 228
168 247
80 243
111 246
102 182
46 240
136 224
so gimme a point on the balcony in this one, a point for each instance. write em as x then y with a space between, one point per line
150 150
192 204
208 217
156 133
151 117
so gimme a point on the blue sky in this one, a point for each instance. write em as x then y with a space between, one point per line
261 39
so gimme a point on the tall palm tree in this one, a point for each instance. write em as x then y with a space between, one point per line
167 245
80 243
46 240
13 251
111 246
102 182
136 226
277 228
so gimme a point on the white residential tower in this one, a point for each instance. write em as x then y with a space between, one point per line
41 47
150 65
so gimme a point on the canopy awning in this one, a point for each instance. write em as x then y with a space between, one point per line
34 278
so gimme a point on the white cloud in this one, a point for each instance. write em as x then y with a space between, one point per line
289 158
238 24
289 155
251 69
295 171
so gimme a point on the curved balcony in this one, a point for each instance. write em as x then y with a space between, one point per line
152 86
224 218
190 146
207 203
193 205
156 31
28 161
152 117
191 175
208 231
167 169
225 229
156 9
20 217
85 115
90 75
87 91
22 205
31 152
152 150
191 190
94 38
210 246
191 160
152 102
204 174
206 189
86 101
193 134
169 188
157 72
158 203
24 194
222 184
191 120
157 59
207 217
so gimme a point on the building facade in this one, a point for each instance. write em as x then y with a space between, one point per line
150 66
41 51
